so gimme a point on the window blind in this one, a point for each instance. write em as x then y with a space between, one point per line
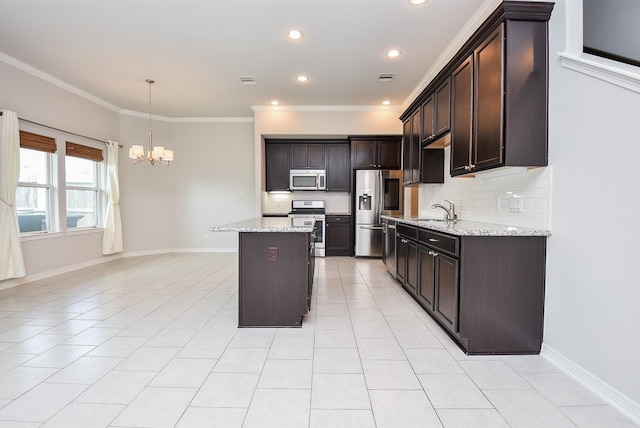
84 152
32 141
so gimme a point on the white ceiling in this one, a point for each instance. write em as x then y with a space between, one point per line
196 49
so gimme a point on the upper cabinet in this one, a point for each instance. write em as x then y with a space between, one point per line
436 113
493 95
276 156
338 167
376 152
331 155
411 150
308 156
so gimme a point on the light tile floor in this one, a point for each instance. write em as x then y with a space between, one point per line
152 342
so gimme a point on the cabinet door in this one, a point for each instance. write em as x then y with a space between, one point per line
406 151
426 275
446 291
277 166
401 258
442 113
338 238
364 154
412 267
298 156
428 112
315 156
461 112
389 153
338 167
415 147
307 156
488 70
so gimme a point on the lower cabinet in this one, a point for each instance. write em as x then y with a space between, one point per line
487 292
338 236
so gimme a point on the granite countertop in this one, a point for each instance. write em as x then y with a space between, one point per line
262 224
470 228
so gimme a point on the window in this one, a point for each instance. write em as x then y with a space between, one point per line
33 195
82 166
610 29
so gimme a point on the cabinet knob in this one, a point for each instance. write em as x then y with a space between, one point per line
432 253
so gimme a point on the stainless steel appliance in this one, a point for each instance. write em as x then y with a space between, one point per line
308 179
389 250
311 213
377 192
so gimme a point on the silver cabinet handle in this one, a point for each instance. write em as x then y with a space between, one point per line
433 253
433 240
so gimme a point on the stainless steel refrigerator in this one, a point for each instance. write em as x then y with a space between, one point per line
377 192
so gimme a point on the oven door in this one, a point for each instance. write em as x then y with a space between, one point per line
319 227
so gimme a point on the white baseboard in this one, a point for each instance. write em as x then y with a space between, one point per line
614 397
46 274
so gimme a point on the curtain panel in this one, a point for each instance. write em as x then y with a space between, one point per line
11 258
112 237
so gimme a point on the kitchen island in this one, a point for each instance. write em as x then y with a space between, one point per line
483 283
276 266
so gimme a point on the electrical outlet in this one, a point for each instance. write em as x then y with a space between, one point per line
273 254
515 204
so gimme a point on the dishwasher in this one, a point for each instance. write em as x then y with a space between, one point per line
389 252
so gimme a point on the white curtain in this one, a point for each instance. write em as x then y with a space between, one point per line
112 237
11 259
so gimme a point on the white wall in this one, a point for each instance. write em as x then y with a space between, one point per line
38 100
593 290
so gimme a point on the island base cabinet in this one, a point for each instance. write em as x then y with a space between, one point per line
275 275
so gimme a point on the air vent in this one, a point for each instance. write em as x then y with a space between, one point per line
247 80
386 77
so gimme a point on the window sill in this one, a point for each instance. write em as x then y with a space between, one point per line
620 74
47 235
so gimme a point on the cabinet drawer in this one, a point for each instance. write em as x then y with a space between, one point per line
408 231
338 219
445 243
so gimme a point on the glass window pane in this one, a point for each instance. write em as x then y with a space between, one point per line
32 204
82 208
80 172
34 166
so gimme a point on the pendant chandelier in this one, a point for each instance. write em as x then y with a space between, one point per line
157 154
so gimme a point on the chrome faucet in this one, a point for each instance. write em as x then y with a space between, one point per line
450 212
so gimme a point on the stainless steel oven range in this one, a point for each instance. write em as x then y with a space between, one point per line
311 213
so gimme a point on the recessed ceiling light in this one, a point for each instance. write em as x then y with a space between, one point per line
295 34
417 1
386 102
302 78
274 103
393 53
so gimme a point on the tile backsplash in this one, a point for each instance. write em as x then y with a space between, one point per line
493 199
280 203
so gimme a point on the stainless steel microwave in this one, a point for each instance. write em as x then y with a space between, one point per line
308 179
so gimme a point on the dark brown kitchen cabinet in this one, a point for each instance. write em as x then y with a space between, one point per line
338 235
495 89
461 112
509 101
274 291
277 166
307 156
411 151
436 113
376 152
432 165
487 292
407 257
338 167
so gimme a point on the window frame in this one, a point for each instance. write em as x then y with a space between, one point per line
57 225
51 218
574 57
99 190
